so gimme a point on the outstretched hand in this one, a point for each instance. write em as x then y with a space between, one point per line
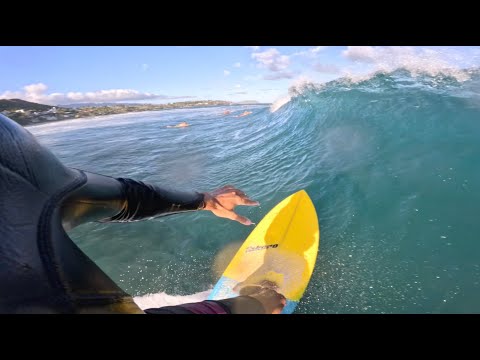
222 202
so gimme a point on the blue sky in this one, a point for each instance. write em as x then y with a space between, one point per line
61 75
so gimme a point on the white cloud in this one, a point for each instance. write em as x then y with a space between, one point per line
254 48
238 86
237 65
271 59
310 52
278 75
366 54
145 67
38 93
326 68
252 77
317 49
238 93
226 72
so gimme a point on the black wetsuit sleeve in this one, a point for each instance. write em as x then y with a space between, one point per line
108 199
145 201
236 305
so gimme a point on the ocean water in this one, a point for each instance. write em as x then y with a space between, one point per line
391 162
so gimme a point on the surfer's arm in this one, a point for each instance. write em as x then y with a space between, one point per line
108 199
254 299
145 201
236 305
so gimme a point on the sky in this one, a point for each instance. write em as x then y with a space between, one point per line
155 74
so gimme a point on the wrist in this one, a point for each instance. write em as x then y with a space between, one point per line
203 202
207 201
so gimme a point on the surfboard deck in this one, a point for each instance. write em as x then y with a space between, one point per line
282 249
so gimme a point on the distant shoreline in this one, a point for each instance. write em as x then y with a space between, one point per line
30 114
138 112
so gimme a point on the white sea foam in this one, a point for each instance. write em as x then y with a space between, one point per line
370 61
164 299
428 61
298 85
277 104
92 122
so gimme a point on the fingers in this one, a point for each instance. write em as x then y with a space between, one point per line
264 285
279 308
222 202
229 214
269 285
226 187
250 290
242 219
232 189
243 199
276 300
239 193
249 202
234 216
272 301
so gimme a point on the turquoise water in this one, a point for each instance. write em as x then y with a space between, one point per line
391 164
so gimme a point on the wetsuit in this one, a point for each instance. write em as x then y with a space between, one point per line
41 269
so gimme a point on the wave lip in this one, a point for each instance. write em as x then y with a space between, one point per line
277 104
439 79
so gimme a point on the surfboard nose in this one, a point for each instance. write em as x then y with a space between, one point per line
302 195
301 192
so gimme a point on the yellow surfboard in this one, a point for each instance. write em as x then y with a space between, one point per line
282 249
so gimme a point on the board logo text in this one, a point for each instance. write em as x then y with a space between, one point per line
263 247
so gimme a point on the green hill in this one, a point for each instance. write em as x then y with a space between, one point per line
15 104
